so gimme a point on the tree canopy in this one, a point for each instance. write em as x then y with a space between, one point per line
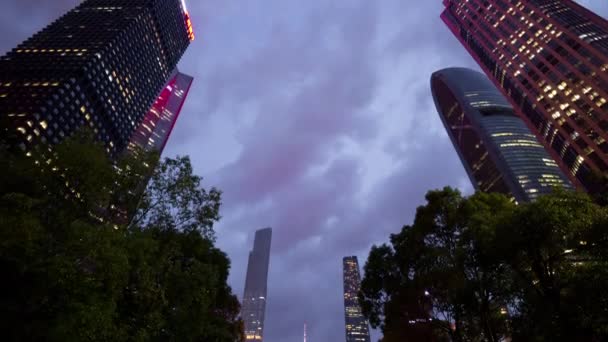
71 272
484 269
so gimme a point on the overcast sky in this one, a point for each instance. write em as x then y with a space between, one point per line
315 118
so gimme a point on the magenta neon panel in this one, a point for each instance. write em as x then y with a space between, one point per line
153 132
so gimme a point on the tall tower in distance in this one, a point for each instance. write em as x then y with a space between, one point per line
357 327
496 148
254 297
550 59
305 332
102 65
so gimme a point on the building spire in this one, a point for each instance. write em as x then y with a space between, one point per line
304 331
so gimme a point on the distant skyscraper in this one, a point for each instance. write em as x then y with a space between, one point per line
550 59
357 327
154 131
497 149
101 65
254 298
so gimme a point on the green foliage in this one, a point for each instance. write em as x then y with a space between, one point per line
492 270
70 274
175 199
599 189
557 248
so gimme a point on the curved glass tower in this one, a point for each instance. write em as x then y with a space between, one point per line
497 149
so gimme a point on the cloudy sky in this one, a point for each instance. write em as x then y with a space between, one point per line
315 118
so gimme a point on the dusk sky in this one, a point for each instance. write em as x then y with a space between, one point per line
315 118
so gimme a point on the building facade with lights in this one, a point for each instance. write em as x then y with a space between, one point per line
550 59
256 286
154 130
102 65
497 149
357 327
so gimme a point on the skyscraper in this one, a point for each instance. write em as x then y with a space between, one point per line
357 327
498 151
550 59
154 130
101 65
153 133
254 298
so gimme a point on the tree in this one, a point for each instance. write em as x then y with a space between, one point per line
556 247
70 273
483 269
175 199
599 188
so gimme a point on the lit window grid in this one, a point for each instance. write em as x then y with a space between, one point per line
253 312
253 316
356 326
56 118
532 82
117 96
510 52
567 85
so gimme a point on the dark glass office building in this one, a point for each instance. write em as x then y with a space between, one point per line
550 59
153 132
254 299
101 65
497 149
357 327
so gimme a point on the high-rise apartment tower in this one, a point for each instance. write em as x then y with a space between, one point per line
357 327
497 149
550 59
254 299
101 65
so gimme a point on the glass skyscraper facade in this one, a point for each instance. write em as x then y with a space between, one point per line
254 298
153 132
357 327
550 59
101 65
497 149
